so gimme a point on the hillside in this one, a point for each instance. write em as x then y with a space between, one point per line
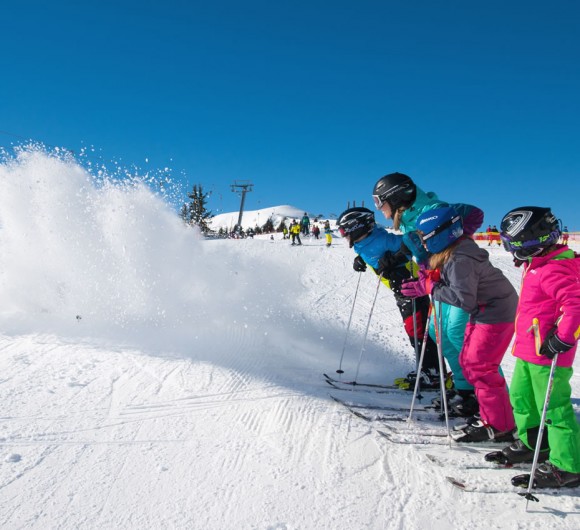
253 218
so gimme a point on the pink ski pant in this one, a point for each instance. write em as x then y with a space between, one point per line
483 350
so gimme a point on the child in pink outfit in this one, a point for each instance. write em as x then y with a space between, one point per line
466 279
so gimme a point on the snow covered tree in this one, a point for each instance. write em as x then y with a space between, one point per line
198 214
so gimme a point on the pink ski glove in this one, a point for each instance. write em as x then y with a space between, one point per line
422 286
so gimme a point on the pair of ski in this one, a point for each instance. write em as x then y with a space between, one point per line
362 387
384 413
427 436
369 387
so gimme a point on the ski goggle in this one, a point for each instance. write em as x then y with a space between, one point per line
342 231
378 202
440 229
530 248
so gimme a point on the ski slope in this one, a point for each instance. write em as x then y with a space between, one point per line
150 379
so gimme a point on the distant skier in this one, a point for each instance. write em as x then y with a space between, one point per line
548 324
295 233
328 233
565 235
489 235
316 231
305 224
495 235
460 274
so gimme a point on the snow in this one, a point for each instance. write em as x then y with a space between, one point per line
150 379
253 218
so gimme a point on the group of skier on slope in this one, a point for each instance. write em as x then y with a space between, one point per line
304 228
438 274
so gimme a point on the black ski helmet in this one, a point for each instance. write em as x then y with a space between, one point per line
526 231
355 222
396 189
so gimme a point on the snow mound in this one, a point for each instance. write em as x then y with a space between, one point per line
253 218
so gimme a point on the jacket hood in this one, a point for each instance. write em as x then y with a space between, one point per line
423 201
468 247
538 261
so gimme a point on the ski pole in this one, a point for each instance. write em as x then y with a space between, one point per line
368 325
438 320
340 370
416 344
528 495
538 344
425 337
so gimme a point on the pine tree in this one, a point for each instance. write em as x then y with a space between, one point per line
281 225
268 226
198 215
184 214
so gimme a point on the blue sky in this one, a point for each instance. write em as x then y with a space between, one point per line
311 101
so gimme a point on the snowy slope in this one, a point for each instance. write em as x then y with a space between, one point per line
188 393
253 218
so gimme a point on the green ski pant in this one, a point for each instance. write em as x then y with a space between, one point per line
527 396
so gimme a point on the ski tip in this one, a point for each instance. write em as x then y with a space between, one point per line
456 482
360 415
433 459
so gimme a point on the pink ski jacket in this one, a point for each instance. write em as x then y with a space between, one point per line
550 296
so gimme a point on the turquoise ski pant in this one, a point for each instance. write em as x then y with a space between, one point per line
453 323
527 395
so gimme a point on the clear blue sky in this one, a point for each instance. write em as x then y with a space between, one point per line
310 100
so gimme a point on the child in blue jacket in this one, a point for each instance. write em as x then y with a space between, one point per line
371 243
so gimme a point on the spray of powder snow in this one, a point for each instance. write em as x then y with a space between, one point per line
111 252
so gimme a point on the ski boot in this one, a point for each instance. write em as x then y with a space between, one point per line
430 380
460 403
481 432
472 420
516 453
548 476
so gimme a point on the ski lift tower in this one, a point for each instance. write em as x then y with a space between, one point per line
243 187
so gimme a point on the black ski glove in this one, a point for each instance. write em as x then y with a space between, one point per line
389 262
552 345
359 264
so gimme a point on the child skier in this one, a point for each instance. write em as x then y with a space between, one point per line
328 233
465 278
295 233
316 231
548 324
400 199
370 242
